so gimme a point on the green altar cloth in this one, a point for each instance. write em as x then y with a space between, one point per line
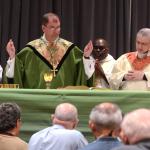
38 104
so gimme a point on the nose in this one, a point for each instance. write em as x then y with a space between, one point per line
140 45
57 30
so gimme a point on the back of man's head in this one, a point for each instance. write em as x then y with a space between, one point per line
9 115
65 114
106 116
136 126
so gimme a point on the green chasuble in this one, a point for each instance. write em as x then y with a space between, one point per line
36 59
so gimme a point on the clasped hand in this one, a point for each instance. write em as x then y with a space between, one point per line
134 75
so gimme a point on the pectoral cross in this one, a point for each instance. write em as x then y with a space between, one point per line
54 71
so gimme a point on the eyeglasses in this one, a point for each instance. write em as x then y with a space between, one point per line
99 48
52 27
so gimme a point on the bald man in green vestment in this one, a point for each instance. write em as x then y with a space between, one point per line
33 65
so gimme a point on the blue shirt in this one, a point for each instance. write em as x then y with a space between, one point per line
104 143
57 138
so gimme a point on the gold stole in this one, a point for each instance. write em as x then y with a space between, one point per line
53 52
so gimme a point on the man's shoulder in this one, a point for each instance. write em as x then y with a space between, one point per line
109 58
40 133
34 42
60 40
127 54
22 143
59 132
28 47
93 145
76 132
127 147
65 42
61 43
17 141
102 144
67 133
124 56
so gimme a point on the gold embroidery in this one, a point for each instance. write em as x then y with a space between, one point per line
52 52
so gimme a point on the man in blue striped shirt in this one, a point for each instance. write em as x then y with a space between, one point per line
62 135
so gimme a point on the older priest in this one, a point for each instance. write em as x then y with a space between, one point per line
48 54
132 70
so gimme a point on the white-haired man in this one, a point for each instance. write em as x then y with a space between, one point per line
132 70
62 135
104 122
135 130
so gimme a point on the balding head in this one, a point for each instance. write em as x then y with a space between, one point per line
101 42
136 125
66 114
106 116
48 16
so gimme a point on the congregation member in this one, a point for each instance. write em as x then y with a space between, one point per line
132 70
135 130
104 122
50 53
62 134
10 123
98 63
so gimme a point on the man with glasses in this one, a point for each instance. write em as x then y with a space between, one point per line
10 124
47 59
98 63
132 70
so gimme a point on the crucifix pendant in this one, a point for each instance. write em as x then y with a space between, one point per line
54 71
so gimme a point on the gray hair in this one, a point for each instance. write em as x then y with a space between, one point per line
9 114
136 124
106 115
144 32
66 112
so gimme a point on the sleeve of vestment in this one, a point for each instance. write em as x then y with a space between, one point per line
118 72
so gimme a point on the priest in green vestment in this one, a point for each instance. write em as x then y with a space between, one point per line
50 54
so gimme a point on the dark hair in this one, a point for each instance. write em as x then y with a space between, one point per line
9 114
46 16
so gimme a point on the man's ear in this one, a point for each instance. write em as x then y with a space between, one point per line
18 126
74 125
52 117
123 137
92 125
43 28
